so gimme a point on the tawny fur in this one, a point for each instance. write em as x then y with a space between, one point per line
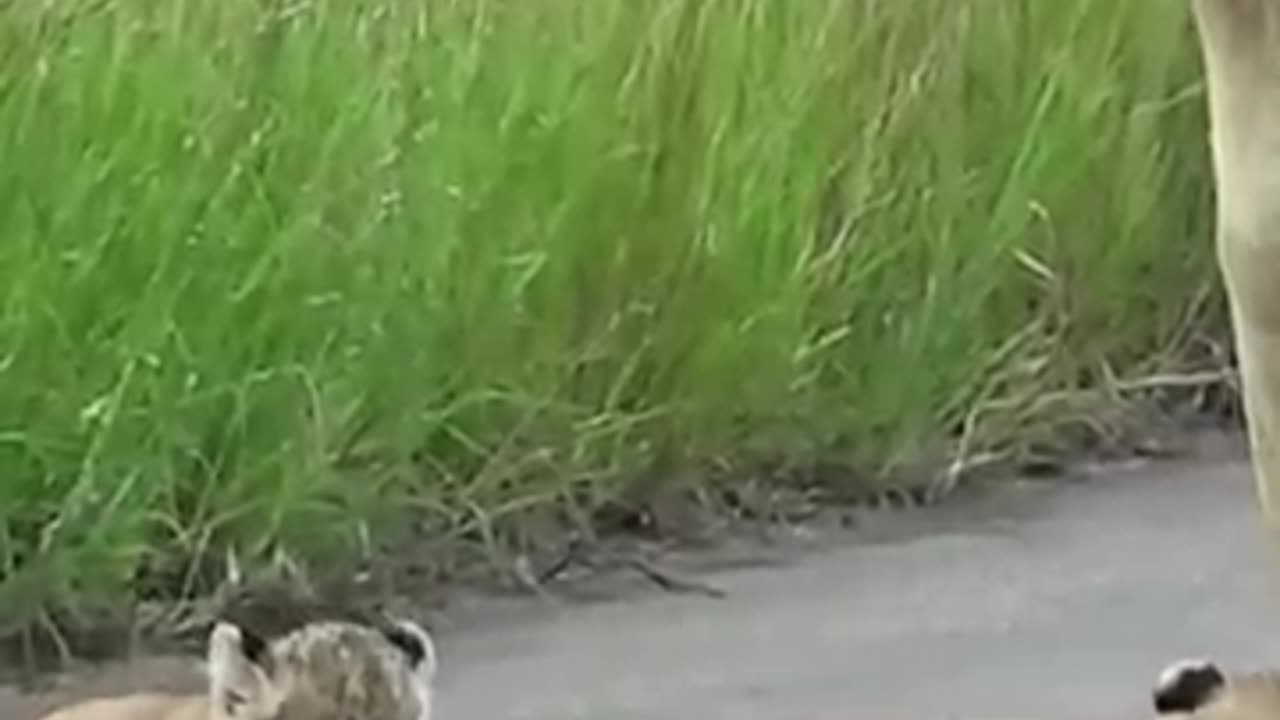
1240 43
139 707
322 671
1251 697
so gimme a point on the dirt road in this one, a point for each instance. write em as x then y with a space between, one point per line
1052 601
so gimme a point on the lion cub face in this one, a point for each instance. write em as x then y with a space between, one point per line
1199 690
322 671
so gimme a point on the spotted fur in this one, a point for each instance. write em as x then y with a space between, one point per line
321 671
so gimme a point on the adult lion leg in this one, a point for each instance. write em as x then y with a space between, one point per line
1258 351
1240 43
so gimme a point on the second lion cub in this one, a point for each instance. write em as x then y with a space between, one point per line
321 671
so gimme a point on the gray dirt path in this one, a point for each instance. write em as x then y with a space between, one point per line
1047 601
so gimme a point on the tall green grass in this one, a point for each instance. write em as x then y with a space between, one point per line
275 276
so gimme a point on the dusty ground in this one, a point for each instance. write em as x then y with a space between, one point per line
1050 600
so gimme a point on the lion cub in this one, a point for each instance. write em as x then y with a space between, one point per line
321 671
1198 690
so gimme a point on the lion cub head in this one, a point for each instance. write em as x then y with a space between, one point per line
1199 690
322 671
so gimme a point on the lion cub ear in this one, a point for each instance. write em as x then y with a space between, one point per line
1186 686
239 681
415 642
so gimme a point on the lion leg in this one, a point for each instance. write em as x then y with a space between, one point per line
1240 43
1246 265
